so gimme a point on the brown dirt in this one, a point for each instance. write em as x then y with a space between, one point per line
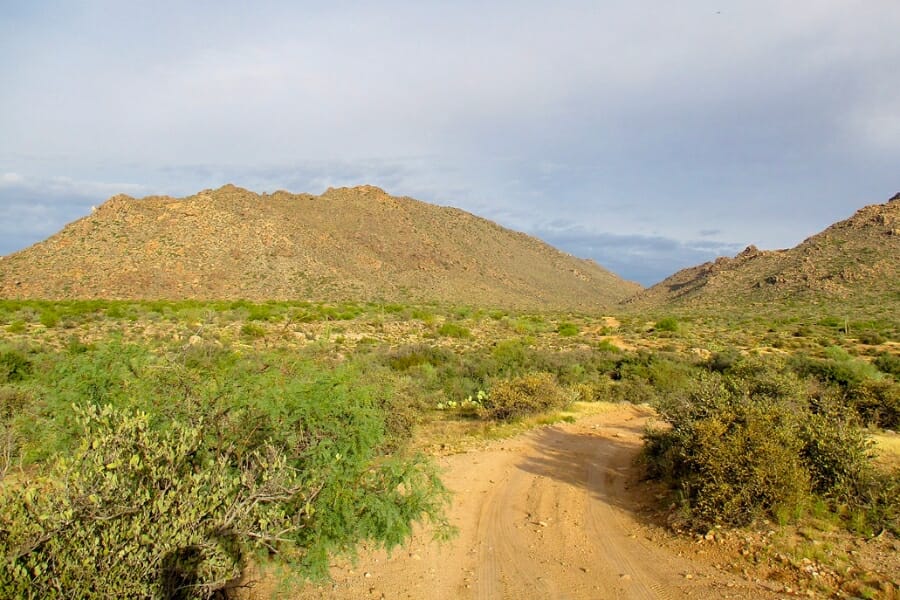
555 513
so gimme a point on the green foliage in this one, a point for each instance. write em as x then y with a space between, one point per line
253 331
733 458
877 402
49 319
608 347
567 329
754 443
409 356
141 513
14 365
875 398
454 330
333 429
521 396
724 360
871 338
669 324
17 326
888 363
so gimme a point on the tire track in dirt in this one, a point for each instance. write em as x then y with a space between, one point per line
550 514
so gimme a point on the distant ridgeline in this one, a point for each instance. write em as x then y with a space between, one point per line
347 244
857 259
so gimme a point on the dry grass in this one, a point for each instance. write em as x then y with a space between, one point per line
887 445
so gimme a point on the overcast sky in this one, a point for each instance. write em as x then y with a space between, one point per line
649 136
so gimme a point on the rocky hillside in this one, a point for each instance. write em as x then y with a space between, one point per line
857 259
347 244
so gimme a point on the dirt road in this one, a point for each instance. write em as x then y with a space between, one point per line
551 514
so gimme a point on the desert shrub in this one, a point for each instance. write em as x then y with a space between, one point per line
567 329
405 357
342 438
253 331
510 399
877 402
206 355
14 365
512 355
669 324
831 322
767 377
608 347
635 391
876 398
871 338
13 405
49 318
141 513
454 330
669 374
836 450
422 314
74 345
888 363
596 391
758 443
724 360
17 326
260 312
732 458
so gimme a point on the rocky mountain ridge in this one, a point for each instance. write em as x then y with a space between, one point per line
356 244
852 259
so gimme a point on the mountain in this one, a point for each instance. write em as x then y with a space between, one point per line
347 244
856 259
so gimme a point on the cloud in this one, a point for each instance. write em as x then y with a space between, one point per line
637 123
33 208
645 259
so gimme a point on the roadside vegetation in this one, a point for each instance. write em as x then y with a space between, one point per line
160 449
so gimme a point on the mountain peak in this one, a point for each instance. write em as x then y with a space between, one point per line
347 244
858 257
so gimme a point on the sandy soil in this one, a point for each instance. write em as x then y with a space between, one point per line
555 513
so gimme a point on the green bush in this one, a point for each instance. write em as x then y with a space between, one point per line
340 429
871 338
877 402
253 331
140 513
723 361
510 399
731 457
669 324
756 443
14 365
888 363
17 326
454 330
838 367
49 319
567 329
405 357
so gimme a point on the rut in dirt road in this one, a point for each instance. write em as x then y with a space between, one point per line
550 514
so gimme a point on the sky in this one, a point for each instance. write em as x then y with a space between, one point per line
646 135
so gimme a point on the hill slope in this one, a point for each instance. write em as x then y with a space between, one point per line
858 258
347 244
